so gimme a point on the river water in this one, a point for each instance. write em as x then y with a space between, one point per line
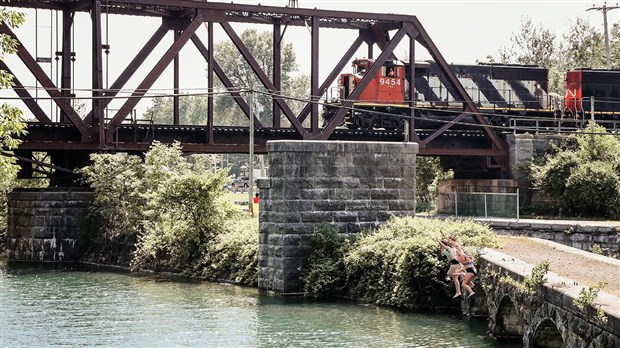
43 307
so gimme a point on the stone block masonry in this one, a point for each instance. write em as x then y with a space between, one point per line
350 185
43 224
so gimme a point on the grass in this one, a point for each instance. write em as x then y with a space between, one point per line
237 196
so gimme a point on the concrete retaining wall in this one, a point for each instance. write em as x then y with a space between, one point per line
588 236
43 224
351 185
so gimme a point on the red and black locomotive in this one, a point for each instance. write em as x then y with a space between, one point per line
499 90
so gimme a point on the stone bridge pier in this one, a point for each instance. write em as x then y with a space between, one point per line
44 224
546 317
350 185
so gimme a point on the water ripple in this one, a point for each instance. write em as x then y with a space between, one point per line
71 307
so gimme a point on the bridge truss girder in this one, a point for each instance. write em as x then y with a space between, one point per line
184 18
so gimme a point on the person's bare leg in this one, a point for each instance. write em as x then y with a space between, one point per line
466 283
457 285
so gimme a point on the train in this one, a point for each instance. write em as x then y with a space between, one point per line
500 91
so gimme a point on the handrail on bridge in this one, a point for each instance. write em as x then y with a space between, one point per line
545 125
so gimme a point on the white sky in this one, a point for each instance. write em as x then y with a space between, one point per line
464 31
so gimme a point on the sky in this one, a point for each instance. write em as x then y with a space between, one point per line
463 31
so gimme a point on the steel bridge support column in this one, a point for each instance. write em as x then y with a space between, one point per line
65 80
314 78
210 83
175 83
277 71
412 135
97 77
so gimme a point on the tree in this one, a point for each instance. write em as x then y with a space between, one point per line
614 43
585 46
427 175
584 175
11 118
169 210
582 47
532 45
193 109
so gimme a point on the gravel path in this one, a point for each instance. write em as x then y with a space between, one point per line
585 270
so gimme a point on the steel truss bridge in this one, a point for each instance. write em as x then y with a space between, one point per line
70 140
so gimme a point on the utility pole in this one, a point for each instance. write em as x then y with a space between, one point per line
251 156
605 9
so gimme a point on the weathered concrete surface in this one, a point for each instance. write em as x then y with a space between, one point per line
583 235
43 225
350 185
548 315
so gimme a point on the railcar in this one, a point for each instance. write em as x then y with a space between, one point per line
587 87
499 90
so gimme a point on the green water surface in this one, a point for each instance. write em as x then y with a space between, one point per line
43 307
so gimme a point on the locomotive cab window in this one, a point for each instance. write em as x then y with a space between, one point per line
390 72
361 69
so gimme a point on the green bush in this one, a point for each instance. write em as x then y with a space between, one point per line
583 177
593 189
323 275
116 208
551 177
171 212
428 174
233 254
399 264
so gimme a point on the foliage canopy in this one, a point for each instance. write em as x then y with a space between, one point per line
583 176
398 265
11 119
171 212
583 46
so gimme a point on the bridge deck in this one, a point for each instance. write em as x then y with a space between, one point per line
582 267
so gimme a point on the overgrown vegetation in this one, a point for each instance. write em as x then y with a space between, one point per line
397 265
583 175
429 173
324 275
11 121
536 279
531 284
170 214
586 299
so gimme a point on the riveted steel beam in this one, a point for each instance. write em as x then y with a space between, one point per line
23 93
412 134
373 29
346 58
339 117
132 67
232 89
97 70
314 78
66 54
277 71
45 81
153 75
468 103
262 76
